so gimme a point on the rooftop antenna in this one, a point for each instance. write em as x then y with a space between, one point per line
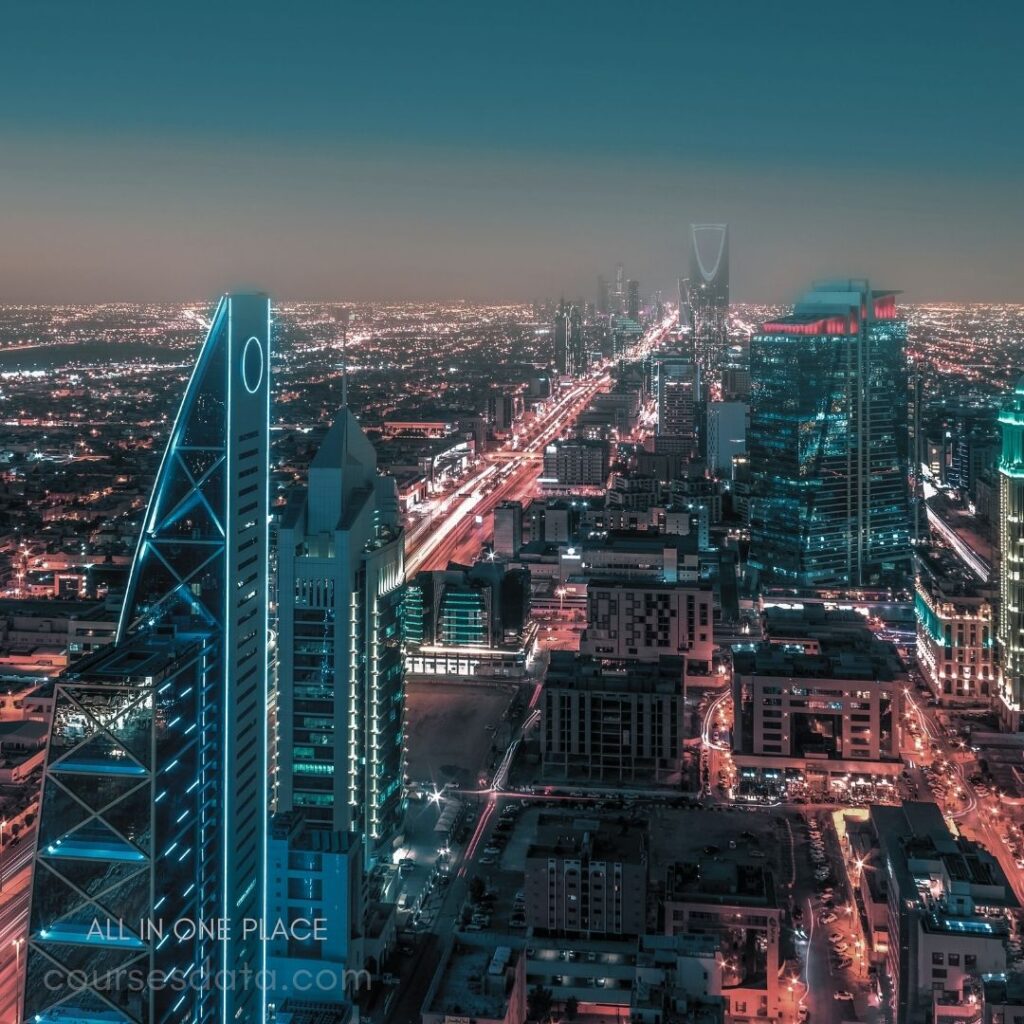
343 319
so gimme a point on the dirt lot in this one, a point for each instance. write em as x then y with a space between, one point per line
447 730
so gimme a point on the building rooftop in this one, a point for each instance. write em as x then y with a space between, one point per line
302 1011
476 982
593 840
946 874
836 660
946 576
571 671
720 879
1005 989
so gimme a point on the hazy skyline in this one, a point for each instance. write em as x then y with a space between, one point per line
413 151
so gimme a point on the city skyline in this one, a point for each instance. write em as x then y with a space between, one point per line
613 414
461 174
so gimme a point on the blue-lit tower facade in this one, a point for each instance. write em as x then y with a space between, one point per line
154 794
1011 560
828 441
341 681
340 706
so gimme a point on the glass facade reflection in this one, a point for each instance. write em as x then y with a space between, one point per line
828 441
154 792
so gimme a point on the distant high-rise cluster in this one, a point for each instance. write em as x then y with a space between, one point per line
828 440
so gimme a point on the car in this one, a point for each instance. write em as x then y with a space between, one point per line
842 994
492 850
487 860
835 938
842 964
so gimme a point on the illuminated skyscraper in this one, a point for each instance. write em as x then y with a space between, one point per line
1011 559
709 298
685 318
633 301
828 440
341 688
570 359
679 399
155 786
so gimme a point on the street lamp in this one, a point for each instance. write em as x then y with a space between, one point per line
17 944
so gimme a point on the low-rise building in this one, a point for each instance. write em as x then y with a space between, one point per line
818 723
645 620
613 721
468 622
642 555
580 462
478 982
955 630
948 900
586 878
734 902
678 977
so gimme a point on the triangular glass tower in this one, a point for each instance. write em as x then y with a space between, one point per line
153 815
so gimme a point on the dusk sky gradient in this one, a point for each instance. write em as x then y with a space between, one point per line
507 151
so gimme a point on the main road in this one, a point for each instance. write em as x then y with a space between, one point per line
461 523
14 908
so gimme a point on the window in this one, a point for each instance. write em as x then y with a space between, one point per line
954 959
938 958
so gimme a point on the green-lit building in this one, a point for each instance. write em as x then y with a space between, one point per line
1011 559
341 690
828 441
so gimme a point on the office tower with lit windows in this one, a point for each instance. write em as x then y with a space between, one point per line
828 441
620 289
508 529
685 317
633 301
1011 559
341 684
570 359
679 402
709 297
155 786
602 295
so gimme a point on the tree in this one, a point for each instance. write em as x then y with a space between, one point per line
538 1003
572 1008
477 888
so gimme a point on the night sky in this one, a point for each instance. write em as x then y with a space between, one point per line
506 151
